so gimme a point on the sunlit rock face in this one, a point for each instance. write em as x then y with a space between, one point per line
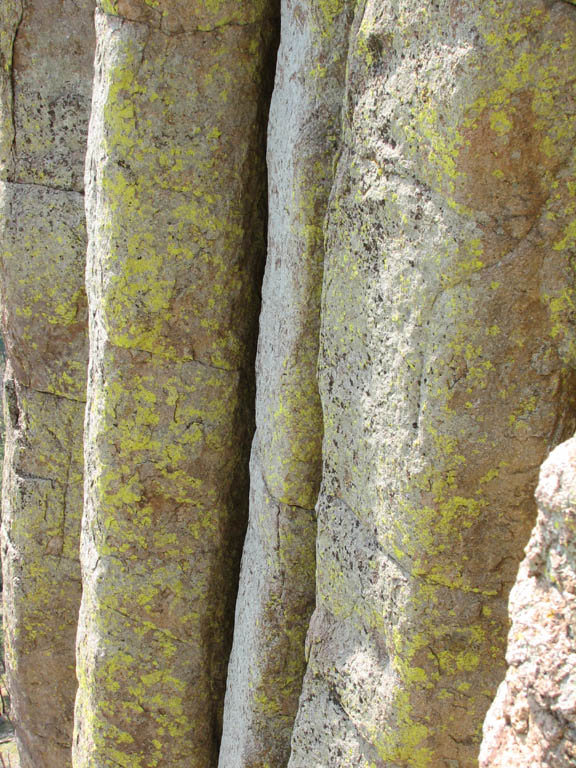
531 722
328 326
175 185
445 369
277 585
45 93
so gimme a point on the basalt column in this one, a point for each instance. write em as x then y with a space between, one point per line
46 56
176 223
277 586
445 368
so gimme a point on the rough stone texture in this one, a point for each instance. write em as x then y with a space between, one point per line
532 722
176 209
277 584
41 511
448 295
45 87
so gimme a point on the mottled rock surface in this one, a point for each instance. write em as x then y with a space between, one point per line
532 722
415 365
176 221
45 88
444 369
277 585
41 511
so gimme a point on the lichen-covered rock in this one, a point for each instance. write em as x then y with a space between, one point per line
43 241
41 513
277 585
176 208
532 722
275 600
445 369
45 88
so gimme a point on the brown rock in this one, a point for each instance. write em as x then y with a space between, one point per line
41 513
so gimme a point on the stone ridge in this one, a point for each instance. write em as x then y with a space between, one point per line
175 190
446 369
277 586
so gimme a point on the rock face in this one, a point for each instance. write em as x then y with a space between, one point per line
532 722
45 88
442 385
277 583
176 222
405 234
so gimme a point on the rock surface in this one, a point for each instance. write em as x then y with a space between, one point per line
277 584
444 369
45 89
176 222
42 508
532 722
416 363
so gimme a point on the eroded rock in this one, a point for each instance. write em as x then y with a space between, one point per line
277 586
45 89
531 723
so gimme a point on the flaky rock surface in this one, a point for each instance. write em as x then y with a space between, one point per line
532 722
414 365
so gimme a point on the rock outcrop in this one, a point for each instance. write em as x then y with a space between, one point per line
45 90
176 225
277 585
532 722
404 232
441 373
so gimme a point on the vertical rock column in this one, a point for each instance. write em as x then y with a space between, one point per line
176 219
277 586
46 56
445 369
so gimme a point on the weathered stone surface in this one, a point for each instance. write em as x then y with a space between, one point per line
45 86
275 601
41 513
43 241
447 296
181 16
532 722
277 584
176 208
51 85
10 15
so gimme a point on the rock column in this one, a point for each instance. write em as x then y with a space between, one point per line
176 220
445 369
277 585
46 56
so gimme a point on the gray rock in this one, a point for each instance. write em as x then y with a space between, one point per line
277 585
